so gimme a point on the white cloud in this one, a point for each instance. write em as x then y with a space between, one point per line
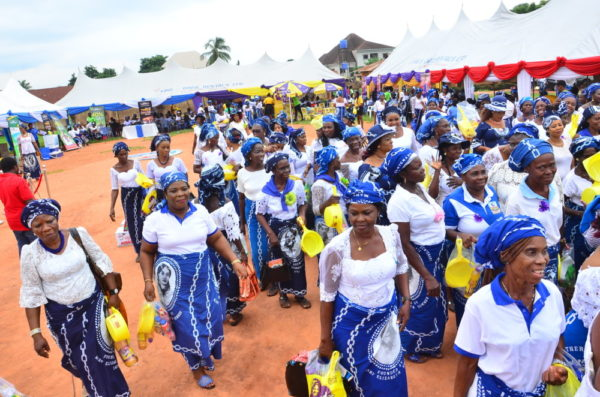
64 35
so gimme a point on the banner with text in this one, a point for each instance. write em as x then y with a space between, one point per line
98 114
64 135
13 127
146 112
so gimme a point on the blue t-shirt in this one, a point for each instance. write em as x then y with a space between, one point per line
467 215
34 131
575 336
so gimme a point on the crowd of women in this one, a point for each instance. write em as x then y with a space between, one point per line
511 196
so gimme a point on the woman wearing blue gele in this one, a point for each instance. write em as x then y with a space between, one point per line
510 333
538 195
363 278
420 223
177 237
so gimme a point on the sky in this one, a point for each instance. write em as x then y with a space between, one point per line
43 41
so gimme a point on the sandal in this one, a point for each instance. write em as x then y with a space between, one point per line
235 319
206 382
416 358
303 302
284 302
273 290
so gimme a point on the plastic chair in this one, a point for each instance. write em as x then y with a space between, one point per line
370 111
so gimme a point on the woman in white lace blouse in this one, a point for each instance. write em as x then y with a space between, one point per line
56 275
363 277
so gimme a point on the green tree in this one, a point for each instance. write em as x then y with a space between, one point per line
152 64
524 8
25 84
217 49
72 80
92 72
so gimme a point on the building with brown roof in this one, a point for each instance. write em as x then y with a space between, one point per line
357 54
53 94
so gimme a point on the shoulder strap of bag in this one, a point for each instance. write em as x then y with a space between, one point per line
75 234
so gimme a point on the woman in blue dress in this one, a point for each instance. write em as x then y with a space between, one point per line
176 238
365 298
492 130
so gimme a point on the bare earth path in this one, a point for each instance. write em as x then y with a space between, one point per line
255 352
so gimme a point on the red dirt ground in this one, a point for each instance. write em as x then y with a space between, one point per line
254 352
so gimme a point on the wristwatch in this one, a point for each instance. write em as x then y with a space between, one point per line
406 299
112 292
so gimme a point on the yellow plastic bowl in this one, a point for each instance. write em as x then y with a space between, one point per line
333 215
592 166
590 193
116 325
311 243
143 180
458 270
146 322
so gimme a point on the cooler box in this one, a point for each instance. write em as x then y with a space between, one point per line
122 236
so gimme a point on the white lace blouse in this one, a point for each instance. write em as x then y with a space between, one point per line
127 178
65 278
227 219
367 283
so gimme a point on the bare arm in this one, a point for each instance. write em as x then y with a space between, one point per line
433 287
401 281
468 239
326 314
595 342
273 240
242 202
466 369
434 186
147 253
114 194
197 168
219 243
40 344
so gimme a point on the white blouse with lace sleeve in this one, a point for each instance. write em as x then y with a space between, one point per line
367 283
227 219
65 278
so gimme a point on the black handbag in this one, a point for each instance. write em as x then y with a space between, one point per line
278 271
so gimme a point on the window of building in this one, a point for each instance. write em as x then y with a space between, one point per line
374 56
385 55
365 56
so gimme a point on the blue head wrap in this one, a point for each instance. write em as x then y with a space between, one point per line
273 160
431 92
434 100
433 113
39 207
325 157
562 109
350 132
525 99
294 134
426 131
248 145
208 131
282 115
349 115
264 125
396 160
329 118
483 97
548 120
541 99
566 94
363 193
377 132
501 235
590 214
234 138
212 182
591 89
390 110
418 90
466 162
157 140
587 113
527 151
582 143
278 137
453 139
171 177
117 147
524 128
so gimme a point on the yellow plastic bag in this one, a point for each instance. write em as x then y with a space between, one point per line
324 380
143 180
568 389
149 201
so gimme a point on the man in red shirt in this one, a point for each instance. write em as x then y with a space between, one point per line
15 194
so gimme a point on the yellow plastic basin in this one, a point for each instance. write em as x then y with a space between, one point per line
334 217
458 271
590 193
146 322
311 243
592 166
116 325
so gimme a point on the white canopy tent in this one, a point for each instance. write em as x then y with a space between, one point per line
16 100
130 87
560 40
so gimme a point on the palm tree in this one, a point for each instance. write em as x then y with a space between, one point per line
25 84
216 49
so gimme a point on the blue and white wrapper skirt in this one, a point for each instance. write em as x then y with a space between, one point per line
232 194
190 293
132 199
369 342
258 240
88 353
491 386
551 270
424 332
581 249
229 285
290 252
